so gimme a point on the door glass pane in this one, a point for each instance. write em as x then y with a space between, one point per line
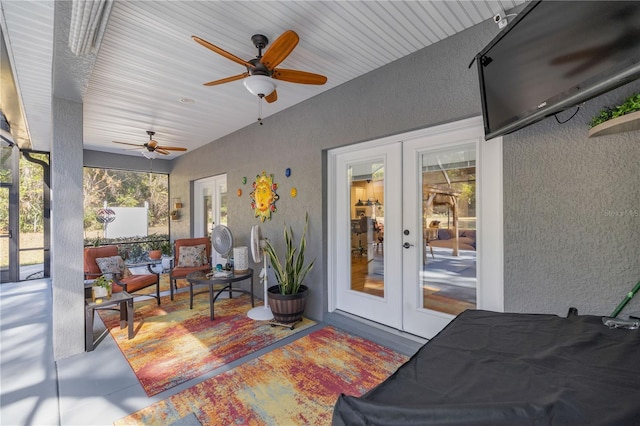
449 229
207 211
223 203
367 227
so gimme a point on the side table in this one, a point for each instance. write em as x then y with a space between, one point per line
126 314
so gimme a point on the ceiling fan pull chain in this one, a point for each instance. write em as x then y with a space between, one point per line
260 110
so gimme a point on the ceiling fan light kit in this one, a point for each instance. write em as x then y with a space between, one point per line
151 155
259 85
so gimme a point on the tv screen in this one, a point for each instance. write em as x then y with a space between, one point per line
554 55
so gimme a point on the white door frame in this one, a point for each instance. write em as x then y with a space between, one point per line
490 260
215 184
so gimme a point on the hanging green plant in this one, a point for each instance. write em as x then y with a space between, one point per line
631 104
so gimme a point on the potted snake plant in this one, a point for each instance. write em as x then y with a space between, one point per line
287 300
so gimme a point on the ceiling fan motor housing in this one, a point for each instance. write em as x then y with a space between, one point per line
260 42
258 68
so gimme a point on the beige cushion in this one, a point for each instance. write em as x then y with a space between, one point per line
192 256
113 265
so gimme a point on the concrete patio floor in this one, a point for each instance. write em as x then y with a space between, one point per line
99 387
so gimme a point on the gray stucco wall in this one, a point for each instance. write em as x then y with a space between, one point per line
558 184
572 214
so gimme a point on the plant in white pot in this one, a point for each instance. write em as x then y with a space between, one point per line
101 288
287 300
167 255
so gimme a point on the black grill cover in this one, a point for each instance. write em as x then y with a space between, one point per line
488 368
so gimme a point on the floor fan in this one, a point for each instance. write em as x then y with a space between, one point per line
222 242
257 252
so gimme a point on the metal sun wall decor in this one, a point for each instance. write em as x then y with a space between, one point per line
264 196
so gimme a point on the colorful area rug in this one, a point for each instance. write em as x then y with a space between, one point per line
297 384
174 344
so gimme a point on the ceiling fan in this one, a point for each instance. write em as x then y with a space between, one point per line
261 71
152 145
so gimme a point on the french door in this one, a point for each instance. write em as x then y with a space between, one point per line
210 208
406 227
368 201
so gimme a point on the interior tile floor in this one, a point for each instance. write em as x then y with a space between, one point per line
99 387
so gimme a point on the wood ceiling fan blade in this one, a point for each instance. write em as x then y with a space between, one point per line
280 49
295 76
161 151
171 148
227 79
272 97
130 144
222 52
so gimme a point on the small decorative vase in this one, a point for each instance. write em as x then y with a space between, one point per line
287 308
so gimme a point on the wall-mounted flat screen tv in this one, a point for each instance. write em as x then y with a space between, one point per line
555 55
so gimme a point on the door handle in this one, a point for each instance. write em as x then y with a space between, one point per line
407 245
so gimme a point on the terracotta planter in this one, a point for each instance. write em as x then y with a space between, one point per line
287 308
155 254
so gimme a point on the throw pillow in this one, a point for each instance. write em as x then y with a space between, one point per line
192 256
113 265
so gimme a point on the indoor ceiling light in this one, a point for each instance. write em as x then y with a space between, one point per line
260 85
